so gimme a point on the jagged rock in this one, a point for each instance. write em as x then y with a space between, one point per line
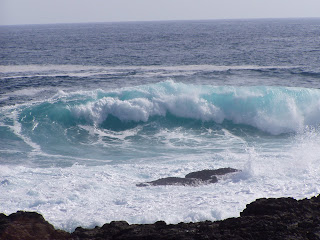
264 219
28 226
298 220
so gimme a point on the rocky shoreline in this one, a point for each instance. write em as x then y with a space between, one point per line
281 218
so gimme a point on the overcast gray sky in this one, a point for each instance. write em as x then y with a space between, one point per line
72 11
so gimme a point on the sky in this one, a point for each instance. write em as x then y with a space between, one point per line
80 11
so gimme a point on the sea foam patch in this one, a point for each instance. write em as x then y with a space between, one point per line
89 196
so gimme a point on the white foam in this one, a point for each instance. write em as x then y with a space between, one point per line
17 130
18 71
89 196
94 131
43 68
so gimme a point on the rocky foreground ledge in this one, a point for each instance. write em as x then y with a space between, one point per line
282 218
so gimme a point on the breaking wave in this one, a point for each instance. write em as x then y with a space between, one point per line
274 110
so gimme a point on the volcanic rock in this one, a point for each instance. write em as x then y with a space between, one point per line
171 181
192 179
209 174
27 226
264 219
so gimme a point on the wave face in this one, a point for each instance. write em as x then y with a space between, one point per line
274 110
158 115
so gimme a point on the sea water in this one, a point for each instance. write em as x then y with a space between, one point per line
87 111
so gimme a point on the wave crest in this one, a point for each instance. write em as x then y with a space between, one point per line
272 109
141 109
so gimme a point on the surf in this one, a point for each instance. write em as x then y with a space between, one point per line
274 110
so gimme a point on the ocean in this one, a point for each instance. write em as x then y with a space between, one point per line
87 111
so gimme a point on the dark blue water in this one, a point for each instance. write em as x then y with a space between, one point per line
88 110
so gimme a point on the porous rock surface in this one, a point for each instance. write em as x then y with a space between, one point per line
263 219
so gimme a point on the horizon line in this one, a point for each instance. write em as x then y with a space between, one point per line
168 20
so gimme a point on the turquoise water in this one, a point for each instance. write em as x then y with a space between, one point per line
87 111
139 122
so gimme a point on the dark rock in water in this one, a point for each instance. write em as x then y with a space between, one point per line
176 181
208 174
191 179
277 219
170 181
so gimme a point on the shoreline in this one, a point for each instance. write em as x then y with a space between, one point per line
265 218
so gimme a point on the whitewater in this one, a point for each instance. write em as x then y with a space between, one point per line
79 129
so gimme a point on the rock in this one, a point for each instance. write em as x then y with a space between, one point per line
28 226
191 179
209 174
297 220
160 224
280 206
271 206
172 181
277 219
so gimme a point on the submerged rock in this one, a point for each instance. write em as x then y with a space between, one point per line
277 219
191 179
